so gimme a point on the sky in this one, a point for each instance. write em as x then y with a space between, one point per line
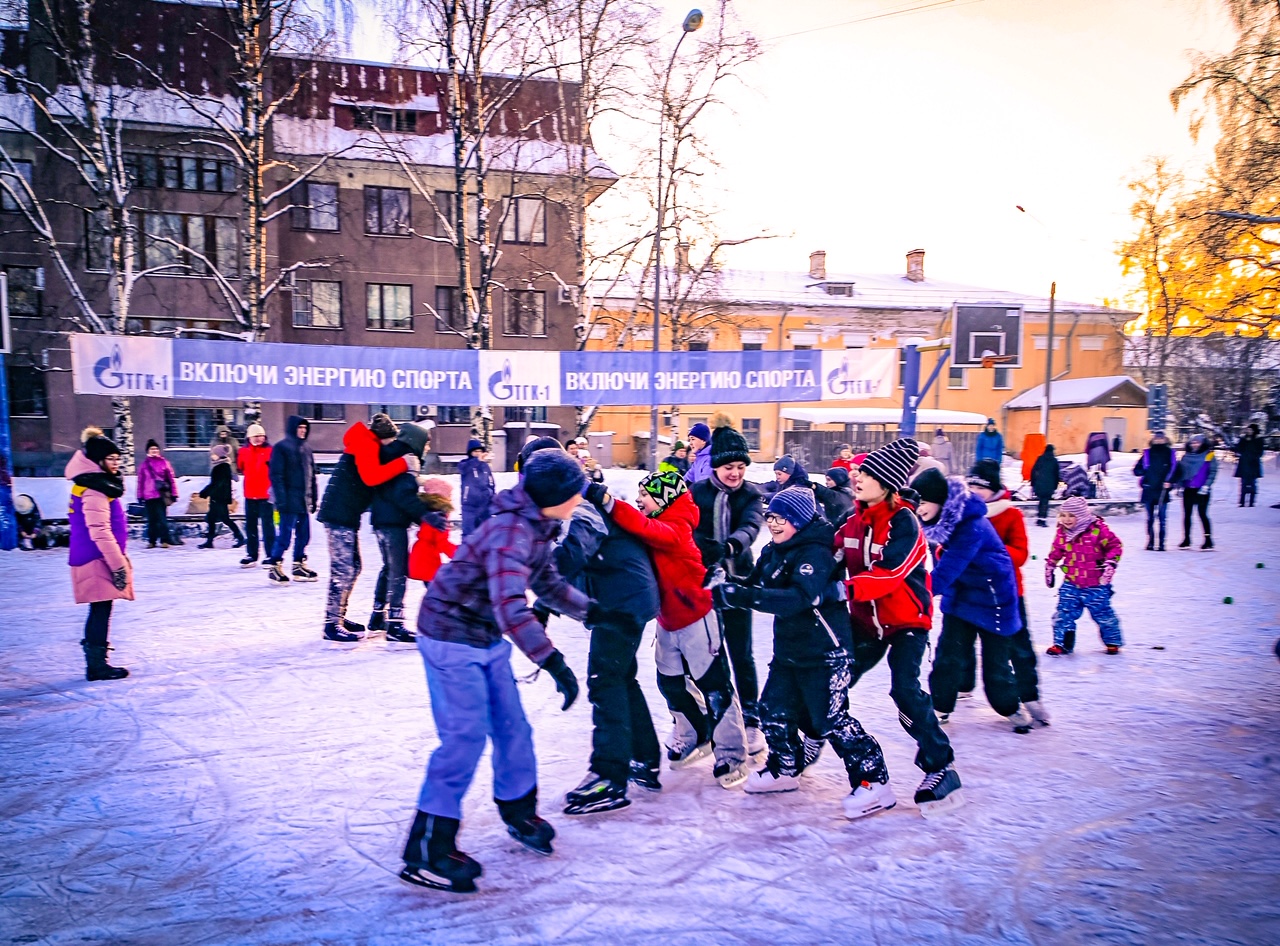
928 129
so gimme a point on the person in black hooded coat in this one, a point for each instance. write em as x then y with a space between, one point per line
394 508
1154 470
1046 474
1248 452
293 488
836 498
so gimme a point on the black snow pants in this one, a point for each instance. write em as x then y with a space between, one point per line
1022 655
814 701
915 710
260 513
1199 502
737 641
220 512
158 522
623 729
957 639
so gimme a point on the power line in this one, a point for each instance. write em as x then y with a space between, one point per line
901 11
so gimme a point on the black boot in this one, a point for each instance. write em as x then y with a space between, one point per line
523 823
432 858
96 666
1185 543
1208 542
378 619
396 631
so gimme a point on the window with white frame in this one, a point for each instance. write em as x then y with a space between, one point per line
317 303
957 378
524 220
1092 342
1003 379
1041 342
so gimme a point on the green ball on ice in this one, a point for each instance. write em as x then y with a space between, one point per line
1261 565
1228 600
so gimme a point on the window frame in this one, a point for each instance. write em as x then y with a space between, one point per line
302 211
308 294
516 298
377 191
208 226
308 410
7 204
34 290
41 398
955 383
995 378
751 432
368 315
513 217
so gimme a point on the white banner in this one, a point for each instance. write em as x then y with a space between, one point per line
858 374
519 378
122 366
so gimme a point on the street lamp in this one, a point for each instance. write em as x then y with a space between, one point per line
692 22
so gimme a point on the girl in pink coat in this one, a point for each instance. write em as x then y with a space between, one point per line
100 570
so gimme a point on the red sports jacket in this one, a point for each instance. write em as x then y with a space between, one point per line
676 560
884 553
1012 529
253 462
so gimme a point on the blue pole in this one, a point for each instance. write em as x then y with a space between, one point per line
910 391
8 519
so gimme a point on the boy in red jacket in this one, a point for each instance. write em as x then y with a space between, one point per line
689 630
252 461
1011 526
891 606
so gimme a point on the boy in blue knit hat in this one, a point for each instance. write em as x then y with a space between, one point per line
476 481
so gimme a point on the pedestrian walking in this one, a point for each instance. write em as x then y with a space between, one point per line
292 469
1155 471
1046 474
477 487
157 490
218 493
254 463
1249 464
943 451
1195 473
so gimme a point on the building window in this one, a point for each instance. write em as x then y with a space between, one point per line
752 346
97 241
448 308
197 426
444 219
524 220
396 120
25 285
317 304
386 211
751 431
1041 342
400 413
389 307
324 413
1003 379
520 415
28 395
453 414
13 193
957 379
801 425
699 346
178 244
526 313
180 172
802 347
1091 342
315 206
902 367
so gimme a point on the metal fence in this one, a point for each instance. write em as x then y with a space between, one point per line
815 449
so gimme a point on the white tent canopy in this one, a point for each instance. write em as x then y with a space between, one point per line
883 415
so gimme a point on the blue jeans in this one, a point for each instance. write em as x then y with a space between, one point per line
474 699
1072 601
290 524
1157 511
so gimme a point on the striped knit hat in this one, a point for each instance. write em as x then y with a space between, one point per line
795 504
664 488
1078 507
892 463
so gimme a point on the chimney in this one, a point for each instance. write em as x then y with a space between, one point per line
682 258
818 264
915 265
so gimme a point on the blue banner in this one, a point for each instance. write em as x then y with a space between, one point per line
600 378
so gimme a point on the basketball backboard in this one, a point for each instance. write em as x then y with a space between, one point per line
986 331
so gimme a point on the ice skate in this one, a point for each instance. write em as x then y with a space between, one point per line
523 823
755 741
594 794
731 774
353 627
767 781
939 792
334 632
867 799
1113 649
1022 720
1208 544
432 858
247 562
378 619
943 718
644 777
397 632
302 573
1038 712
277 574
1057 650
812 752
681 756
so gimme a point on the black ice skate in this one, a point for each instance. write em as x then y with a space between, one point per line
644 777
277 575
378 619
523 823
248 562
396 631
432 858
302 573
680 756
939 792
596 793
334 632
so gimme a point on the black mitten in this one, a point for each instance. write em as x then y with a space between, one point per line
566 682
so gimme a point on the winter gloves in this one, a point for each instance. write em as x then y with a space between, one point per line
120 578
1050 574
1108 573
596 493
732 548
730 595
566 682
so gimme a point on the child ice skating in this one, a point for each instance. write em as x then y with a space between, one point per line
218 492
891 608
476 601
433 541
808 687
476 478
1088 552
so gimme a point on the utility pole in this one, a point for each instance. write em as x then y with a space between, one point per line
1048 365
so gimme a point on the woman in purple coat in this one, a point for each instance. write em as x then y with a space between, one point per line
100 569
157 488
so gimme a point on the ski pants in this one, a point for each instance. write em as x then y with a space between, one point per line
1022 655
220 512
474 700
915 710
344 569
622 727
472 517
158 521
957 641
698 650
814 701
737 640
260 512
295 528
1197 500
1072 601
98 623
1248 490
394 545
1157 511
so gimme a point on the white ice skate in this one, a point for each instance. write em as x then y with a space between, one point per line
1021 721
679 755
766 781
731 774
867 799
1038 712
755 741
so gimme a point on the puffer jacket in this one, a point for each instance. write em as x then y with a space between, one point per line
973 572
218 488
884 555
1085 558
1046 474
293 472
1153 469
1011 526
797 582
480 595
395 503
609 565
155 476
424 557
700 468
746 517
676 560
476 479
255 465
989 446
1197 469
352 482
99 533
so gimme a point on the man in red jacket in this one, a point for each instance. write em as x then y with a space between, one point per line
689 632
252 461
891 607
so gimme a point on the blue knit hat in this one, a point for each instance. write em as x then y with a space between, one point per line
785 464
795 504
474 444
839 475
701 431
551 477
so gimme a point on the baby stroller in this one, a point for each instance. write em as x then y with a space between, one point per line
1076 480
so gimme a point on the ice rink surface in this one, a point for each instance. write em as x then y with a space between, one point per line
251 783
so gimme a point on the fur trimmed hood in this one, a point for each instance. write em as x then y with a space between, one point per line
961 504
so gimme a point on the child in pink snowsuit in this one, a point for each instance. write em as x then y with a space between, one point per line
1088 552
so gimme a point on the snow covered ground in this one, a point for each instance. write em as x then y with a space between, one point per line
252 784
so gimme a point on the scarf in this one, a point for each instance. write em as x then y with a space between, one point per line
110 485
722 516
1083 521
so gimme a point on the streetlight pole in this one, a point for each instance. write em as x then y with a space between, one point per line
1048 365
692 22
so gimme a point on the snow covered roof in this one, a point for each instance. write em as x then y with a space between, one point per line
882 415
1078 392
869 291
